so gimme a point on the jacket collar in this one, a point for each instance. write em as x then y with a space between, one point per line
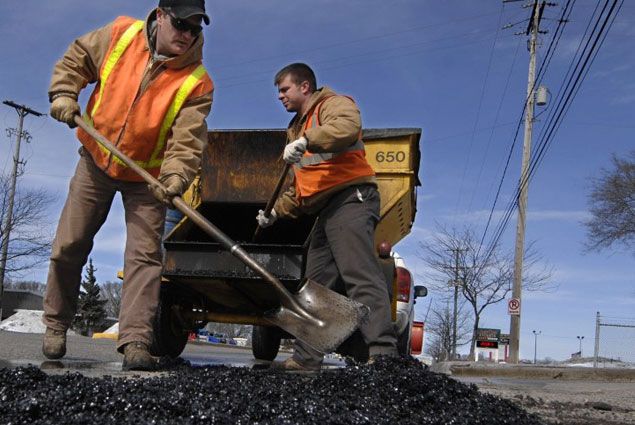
193 55
316 97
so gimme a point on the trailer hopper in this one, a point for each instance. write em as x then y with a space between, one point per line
204 283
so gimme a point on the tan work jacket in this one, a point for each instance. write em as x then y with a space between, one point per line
83 63
339 127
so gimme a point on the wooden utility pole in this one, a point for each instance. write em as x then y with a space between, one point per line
457 283
22 111
514 332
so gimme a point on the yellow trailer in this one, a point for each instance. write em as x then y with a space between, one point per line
239 171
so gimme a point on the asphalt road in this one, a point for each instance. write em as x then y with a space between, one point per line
565 402
98 357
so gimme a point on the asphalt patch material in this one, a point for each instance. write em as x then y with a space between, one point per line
390 391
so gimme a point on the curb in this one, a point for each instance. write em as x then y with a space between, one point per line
546 372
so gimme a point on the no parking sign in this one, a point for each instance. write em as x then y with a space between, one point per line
513 306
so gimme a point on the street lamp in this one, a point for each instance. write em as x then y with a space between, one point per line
580 338
536 343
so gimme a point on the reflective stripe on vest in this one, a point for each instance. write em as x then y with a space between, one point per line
318 158
175 107
114 57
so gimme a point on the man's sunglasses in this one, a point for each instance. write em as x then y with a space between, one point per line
182 25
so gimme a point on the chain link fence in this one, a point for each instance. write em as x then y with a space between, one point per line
614 341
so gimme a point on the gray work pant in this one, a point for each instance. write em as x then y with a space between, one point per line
342 257
89 200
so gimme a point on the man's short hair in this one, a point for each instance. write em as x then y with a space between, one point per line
299 73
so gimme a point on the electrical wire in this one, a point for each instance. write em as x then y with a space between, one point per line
510 207
491 136
478 110
554 123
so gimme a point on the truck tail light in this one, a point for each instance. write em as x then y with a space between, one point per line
404 282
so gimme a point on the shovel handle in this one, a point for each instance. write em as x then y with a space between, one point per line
213 231
272 200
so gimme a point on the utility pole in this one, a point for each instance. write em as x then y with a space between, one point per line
457 283
536 344
22 111
514 332
580 338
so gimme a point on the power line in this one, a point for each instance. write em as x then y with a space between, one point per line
478 110
343 62
554 123
358 40
541 72
491 136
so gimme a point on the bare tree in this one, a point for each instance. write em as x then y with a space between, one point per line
612 205
29 234
485 278
111 292
440 326
26 285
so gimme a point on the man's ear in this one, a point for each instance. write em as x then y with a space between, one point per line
305 87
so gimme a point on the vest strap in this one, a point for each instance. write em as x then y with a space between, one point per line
175 107
113 58
318 158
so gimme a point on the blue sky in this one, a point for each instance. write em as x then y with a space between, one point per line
442 66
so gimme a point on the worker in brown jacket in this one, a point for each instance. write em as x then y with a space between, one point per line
151 97
333 180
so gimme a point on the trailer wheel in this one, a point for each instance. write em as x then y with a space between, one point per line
265 342
169 334
403 343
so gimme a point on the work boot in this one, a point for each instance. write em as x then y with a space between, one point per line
54 344
292 365
137 357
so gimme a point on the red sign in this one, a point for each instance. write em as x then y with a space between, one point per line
487 344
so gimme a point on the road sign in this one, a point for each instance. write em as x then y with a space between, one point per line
487 334
513 307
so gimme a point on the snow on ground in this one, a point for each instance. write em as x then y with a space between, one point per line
26 321
114 329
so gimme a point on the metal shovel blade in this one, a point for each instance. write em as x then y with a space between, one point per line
333 317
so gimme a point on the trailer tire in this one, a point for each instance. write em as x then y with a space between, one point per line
168 336
403 343
265 342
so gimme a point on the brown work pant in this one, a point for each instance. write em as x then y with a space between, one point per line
342 257
89 199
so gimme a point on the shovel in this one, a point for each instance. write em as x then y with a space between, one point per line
314 314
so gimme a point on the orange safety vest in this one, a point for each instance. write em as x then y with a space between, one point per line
318 172
139 124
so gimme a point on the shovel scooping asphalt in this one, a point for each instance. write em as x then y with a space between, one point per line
314 314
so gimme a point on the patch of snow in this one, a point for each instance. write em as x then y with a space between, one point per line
114 329
25 321
578 364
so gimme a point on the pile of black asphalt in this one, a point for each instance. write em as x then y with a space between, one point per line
390 391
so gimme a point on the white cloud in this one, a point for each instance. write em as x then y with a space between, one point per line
544 215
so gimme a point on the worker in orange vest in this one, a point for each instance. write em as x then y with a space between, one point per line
333 180
151 97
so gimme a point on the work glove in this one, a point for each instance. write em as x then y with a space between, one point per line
64 109
266 221
293 151
173 185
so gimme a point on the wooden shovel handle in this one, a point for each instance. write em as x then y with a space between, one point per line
235 249
272 200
